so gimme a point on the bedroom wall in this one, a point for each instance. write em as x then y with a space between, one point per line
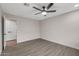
27 29
63 29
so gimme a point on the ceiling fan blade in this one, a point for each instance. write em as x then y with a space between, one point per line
37 8
38 13
49 5
51 11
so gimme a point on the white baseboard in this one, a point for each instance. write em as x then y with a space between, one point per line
64 44
26 40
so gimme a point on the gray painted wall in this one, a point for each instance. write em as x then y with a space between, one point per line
27 30
63 29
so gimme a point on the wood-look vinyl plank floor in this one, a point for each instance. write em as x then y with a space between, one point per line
40 47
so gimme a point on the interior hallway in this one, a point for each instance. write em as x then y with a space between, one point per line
40 47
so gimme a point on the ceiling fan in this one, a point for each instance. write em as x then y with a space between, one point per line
45 10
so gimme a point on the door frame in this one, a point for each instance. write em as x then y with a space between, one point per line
2 21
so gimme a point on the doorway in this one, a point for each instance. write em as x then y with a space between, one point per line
10 32
9 35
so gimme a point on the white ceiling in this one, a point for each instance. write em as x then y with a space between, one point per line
19 9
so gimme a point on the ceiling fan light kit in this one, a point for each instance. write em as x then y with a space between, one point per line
44 13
